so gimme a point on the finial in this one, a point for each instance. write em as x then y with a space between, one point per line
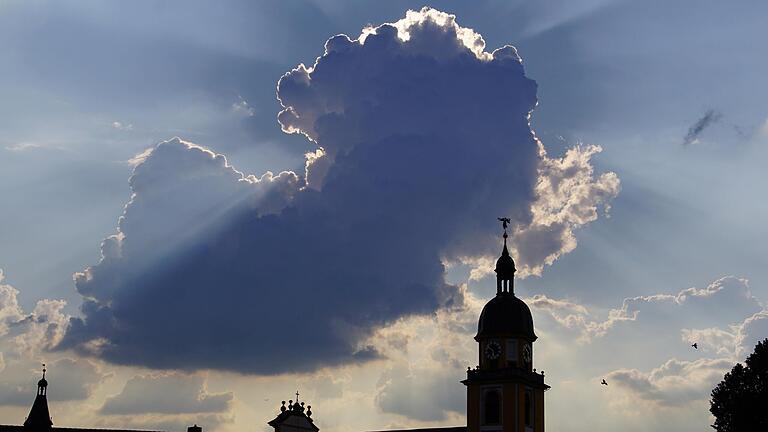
290 403
282 407
297 396
43 370
309 410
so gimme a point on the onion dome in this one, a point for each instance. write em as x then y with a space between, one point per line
505 265
506 316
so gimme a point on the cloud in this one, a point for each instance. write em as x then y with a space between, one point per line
122 126
424 394
674 383
167 401
27 334
428 357
736 319
69 380
422 138
171 393
25 340
750 332
728 298
24 146
708 119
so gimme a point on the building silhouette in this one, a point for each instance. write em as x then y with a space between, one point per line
504 391
294 418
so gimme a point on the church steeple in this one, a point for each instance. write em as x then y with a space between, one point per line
39 417
504 391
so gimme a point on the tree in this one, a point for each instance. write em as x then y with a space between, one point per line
740 402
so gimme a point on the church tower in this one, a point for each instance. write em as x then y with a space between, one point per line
504 392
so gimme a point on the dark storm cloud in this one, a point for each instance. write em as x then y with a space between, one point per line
708 119
423 139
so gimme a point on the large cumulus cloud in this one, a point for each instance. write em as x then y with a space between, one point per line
422 138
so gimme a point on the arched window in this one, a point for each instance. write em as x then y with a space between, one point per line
528 409
492 408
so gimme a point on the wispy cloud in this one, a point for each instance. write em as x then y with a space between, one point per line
24 146
709 118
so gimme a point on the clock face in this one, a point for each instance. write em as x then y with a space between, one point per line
493 350
527 353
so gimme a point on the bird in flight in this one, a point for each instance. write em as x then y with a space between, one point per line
603 382
695 345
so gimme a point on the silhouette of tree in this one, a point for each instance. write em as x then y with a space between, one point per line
740 401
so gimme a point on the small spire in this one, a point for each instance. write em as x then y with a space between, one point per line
42 385
505 265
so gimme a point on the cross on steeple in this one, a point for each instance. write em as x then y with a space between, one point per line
297 396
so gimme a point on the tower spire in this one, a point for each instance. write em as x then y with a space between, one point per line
505 265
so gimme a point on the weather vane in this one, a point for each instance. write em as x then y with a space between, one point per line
504 222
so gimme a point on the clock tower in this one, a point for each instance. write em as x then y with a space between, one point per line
504 392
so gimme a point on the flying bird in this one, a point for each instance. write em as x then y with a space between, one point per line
604 383
695 345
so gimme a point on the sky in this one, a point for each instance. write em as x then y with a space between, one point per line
207 206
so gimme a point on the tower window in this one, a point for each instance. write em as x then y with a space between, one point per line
528 408
492 407
511 353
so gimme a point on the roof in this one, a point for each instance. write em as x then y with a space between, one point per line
505 316
39 417
295 419
436 429
19 428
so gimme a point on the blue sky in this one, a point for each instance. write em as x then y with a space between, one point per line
88 85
